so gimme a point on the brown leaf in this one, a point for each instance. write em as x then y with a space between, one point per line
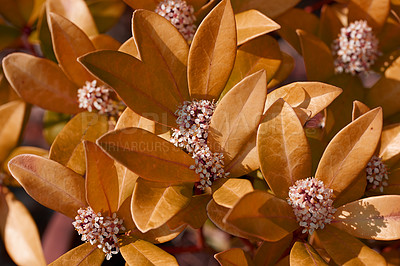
354 191
142 4
130 47
349 151
67 148
126 182
149 156
231 191
76 11
69 43
303 254
164 50
11 120
286 67
50 183
294 19
105 42
83 255
262 215
285 156
139 87
140 252
7 93
19 232
390 145
330 24
23 150
101 180
12 11
237 116
270 252
345 249
212 53
358 110
251 24
260 53
270 8
234 257
374 12
41 82
371 218
316 54
153 204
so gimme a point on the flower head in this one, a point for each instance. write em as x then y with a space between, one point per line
99 230
377 173
92 97
180 14
312 204
355 49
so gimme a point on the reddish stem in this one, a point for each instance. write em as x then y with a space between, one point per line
316 6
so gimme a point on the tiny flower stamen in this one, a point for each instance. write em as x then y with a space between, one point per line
92 97
180 14
312 204
377 173
355 49
99 230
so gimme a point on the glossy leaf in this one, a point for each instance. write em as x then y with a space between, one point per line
67 148
263 216
349 151
50 183
316 54
105 42
237 116
358 110
41 82
69 43
149 156
153 204
140 252
371 218
270 8
19 232
269 252
374 12
231 191
285 156
83 255
260 53
139 87
286 67
303 254
164 50
11 118
76 11
344 249
101 180
251 24
233 257
212 53
390 144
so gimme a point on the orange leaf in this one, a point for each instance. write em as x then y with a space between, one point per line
262 215
330 25
358 110
83 255
390 144
105 42
149 156
270 8
371 218
285 156
237 116
375 12
284 70
50 183
101 180
142 4
349 151
42 82
303 254
19 232
164 50
251 24
69 43
270 252
345 249
233 257
212 53
153 204
231 191
130 47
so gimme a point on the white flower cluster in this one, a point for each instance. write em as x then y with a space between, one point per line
311 203
355 49
180 14
99 230
377 173
194 120
92 97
